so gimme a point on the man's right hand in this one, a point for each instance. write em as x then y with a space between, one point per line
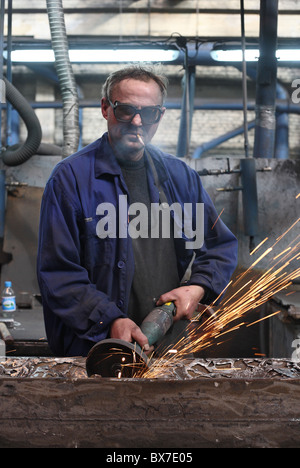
127 330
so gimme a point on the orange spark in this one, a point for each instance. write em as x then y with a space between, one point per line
258 246
241 299
217 219
263 318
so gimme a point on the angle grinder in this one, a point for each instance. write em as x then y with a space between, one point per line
118 358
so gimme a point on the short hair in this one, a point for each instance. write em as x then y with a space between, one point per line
135 72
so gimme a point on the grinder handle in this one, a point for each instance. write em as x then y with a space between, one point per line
158 322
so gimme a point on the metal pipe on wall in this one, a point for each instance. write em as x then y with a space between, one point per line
282 127
264 141
221 139
188 97
2 84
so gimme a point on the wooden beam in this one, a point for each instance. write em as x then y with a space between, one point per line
51 403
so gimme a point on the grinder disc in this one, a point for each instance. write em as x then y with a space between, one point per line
115 358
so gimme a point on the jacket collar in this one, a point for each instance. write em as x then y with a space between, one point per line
105 160
157 157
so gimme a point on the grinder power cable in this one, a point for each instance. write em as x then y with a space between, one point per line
118 358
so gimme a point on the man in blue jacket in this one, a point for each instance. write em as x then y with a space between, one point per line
104 260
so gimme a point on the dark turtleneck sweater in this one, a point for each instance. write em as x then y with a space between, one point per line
155 259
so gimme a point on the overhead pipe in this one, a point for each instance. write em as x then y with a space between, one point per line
199 104
247 165
188 97
221 139
264 141
244 79
282 127
2 84
282 109
187 109
65 75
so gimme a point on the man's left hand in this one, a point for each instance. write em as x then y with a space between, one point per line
185 298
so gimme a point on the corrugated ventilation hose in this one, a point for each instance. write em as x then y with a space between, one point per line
12 156
65 75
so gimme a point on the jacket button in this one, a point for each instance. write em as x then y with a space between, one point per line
121 264
120 303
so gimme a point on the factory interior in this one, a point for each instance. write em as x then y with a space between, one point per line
232 115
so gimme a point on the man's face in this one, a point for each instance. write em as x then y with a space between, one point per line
123 135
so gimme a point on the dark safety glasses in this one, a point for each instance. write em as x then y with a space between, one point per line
125 113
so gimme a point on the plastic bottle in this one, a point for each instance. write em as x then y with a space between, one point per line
8 302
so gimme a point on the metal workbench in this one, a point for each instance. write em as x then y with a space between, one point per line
28 333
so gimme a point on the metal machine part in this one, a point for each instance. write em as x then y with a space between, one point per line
119 358
158 322
116 358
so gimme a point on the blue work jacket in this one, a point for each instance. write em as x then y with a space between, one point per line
85 280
